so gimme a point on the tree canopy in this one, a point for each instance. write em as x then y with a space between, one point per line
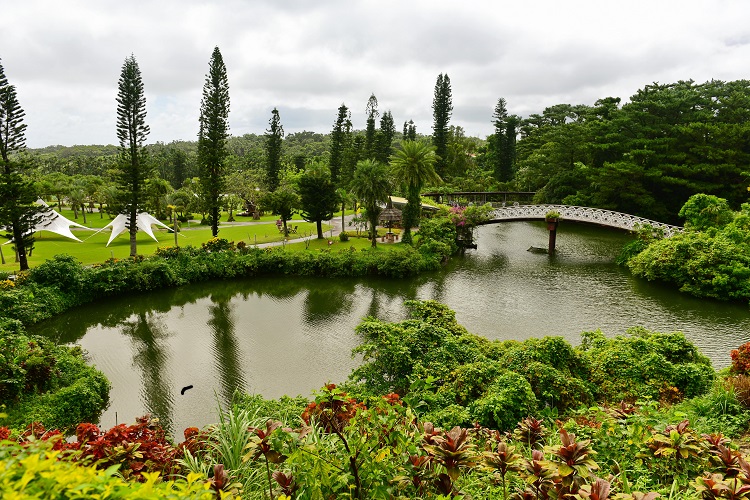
212 136
132 132
17 193
413 166
372 186
318 198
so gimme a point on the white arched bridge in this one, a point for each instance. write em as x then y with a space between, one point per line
579 214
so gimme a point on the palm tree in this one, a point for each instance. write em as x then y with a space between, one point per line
344 197
413 166
77 198
371 184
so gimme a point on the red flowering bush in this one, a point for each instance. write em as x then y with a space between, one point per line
741 359
332 409
138 448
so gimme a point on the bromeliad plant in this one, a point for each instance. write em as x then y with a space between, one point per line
677 445
574 463
454 451
501 461
531 432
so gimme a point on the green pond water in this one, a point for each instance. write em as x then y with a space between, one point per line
285 335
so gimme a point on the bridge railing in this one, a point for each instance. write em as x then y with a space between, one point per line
590 215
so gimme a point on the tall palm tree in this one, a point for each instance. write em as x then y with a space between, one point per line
413 166
371 184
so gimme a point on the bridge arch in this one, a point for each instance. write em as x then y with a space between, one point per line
588 215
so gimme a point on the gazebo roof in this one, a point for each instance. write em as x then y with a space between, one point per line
390 214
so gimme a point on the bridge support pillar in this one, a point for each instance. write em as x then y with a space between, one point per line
552 228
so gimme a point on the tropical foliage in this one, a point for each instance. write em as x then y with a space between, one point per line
41 381
710 259
413 168
372 186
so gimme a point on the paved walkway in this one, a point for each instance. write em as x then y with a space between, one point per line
335 230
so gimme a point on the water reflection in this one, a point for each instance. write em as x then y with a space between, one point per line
323 303
147 335
281 335
226 351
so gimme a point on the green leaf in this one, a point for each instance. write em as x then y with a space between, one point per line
565 469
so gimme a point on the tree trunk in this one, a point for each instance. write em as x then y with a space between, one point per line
374 232
319 224
214 221
20 247
133 223
83 212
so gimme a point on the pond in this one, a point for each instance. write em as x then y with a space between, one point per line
288 335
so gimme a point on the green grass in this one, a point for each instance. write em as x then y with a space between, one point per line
336 244
94 249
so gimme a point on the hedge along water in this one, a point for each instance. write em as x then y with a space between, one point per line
287 335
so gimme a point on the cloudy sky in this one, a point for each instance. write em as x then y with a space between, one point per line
307 57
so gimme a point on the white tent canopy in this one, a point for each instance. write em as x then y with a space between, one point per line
144 221
52 221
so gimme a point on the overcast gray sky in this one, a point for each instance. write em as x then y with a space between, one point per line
308 57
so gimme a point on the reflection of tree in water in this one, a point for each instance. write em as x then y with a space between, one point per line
148 333
386 292
325 303
226 351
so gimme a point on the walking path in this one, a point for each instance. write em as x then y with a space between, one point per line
333 232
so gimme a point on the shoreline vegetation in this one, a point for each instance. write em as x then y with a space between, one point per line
436 412
432 412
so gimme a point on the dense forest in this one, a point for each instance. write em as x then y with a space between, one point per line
645 157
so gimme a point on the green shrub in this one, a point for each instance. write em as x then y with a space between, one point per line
44 382
712 263
430 343
508 400
558 374
469 381
449 416
646 364
63 272
438 229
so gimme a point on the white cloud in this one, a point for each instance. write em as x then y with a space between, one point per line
306 58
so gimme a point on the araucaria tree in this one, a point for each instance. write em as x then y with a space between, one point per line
385 137
413 167
274 141
442 107
339 143
18 213
212 137
131 132
372 186
503 143
318 196
371 110
410 131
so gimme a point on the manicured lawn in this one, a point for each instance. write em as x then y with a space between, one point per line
335 244
94 249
